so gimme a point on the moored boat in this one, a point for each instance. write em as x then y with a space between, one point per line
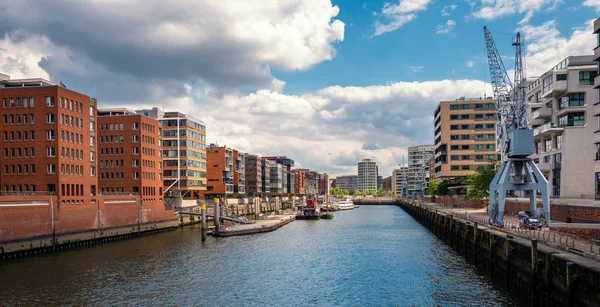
345 204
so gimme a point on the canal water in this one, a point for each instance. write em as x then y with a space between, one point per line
371 256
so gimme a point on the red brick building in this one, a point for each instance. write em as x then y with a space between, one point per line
48 140
224 172
299 185
253 175
129 155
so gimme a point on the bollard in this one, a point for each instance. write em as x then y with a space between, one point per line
203 210
216 216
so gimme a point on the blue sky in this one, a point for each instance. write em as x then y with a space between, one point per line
324 82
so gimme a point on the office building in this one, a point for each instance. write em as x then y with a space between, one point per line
276 177
129 155
399 176
49 141
239 175
183 153
379 180
367 174
266 175
465 138
418 165
387 183
347 182
561 105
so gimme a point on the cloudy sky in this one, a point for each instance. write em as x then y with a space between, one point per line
323 82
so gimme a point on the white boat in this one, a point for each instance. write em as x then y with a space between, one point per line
346 204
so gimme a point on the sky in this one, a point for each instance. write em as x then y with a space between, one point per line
324 82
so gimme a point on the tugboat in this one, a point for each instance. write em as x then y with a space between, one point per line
327 215
310 212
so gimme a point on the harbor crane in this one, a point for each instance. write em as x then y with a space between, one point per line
514 140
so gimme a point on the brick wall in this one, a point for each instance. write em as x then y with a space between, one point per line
31 216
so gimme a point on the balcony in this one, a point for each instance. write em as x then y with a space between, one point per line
539 116
547 129
544 166
597 78
555 89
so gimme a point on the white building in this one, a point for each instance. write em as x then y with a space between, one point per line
560 107
367 174
418 165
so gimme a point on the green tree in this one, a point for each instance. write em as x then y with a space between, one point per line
344 193
356 193
334 191
478 183
432 187
365 193
381 192
443 188
388 193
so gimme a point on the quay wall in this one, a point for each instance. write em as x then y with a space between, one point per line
34 224
538 274
577 211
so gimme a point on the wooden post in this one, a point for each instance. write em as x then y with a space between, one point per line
534 254
217 216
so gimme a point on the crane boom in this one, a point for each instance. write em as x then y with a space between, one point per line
500 81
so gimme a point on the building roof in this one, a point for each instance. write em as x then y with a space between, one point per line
115 112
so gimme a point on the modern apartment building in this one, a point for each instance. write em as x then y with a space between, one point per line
311 182
266 175
299 183
323 183
347 182
418 165
222 171
561 109
379 180
184 152
253 175
288 164
596 139
367 174
49 142
276 180
387 183
465 138
239 175
129 155
399 176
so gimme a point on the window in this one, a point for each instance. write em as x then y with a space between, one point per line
478 116
464 127
465 167
572 100
135 126
587 77
454 167
490 106
489 116
135 139
454 137
135 163
561 77
49 101
490 136
4 103
558 141
452 117
454 147
464 106
49 118
18 102
50 135
478 106
135 175
547 159
479 136
465 137
453 127
453 157
31 119
465 157
50 152
478 157
572 120
490 146
479 147
50 168
489 126
465 147
135 151
12 102
31 102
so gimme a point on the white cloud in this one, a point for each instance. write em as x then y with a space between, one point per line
470 63
399 14
224 44
546 46
593 4
445 28
447 9
416 68
492 9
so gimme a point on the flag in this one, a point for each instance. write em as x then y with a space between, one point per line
62 84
